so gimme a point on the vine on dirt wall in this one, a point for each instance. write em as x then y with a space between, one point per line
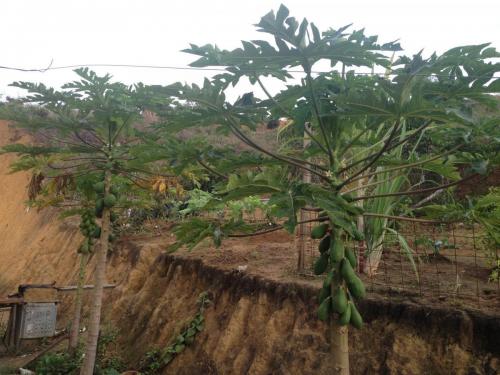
157 359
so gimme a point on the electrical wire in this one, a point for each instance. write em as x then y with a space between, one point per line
169 67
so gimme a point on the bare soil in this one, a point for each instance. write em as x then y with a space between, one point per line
456 277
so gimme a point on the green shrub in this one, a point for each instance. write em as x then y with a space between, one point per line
57 364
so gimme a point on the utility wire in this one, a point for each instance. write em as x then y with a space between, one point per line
169 67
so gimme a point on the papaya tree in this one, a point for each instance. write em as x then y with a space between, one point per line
84 134
339 110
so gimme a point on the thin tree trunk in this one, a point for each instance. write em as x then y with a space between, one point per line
75 326
302 229
301 249
339 347
99 281
339 337
361 228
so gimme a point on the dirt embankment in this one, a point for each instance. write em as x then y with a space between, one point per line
259 326
34 247
254 326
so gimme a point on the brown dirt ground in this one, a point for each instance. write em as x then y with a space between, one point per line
458 277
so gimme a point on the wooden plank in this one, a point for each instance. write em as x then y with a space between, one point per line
70 288
6 302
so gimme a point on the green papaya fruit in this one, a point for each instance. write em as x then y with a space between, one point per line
99 203
99 187
346 271
98 212
345 317
321 264
339 300
329 278
113 190
356 287
319 231
111 238
356 319
324 245
324 293
337 250
109 200
324 309
351 257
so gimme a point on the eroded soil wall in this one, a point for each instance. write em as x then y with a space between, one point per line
256 326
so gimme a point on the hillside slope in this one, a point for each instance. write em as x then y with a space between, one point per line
34 246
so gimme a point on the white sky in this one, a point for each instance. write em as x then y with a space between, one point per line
34 32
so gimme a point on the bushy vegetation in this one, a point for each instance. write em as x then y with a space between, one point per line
65 363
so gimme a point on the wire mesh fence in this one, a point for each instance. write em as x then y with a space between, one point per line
439 262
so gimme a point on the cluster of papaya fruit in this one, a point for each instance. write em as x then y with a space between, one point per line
90 230
104 200
341 285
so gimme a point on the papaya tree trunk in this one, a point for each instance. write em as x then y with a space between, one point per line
75 325
339 347
99 282
303 215
339 339
361 227
301 249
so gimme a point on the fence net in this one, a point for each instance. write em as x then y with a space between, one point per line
436 263
442 263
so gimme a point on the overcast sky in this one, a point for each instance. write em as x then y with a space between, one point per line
32 33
